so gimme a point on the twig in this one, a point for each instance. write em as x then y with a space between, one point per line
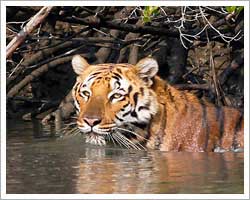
57 57
227 39
16 67
237 62
30 26
36 73
56 38
40 55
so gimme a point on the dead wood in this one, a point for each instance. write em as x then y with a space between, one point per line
36 73
65 109
30 26
236 63
103 53
134 49
40 55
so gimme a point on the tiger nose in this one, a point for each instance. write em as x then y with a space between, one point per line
92 121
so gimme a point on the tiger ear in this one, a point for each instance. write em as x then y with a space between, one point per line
147 69
79 64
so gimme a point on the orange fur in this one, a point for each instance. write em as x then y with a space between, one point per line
187 124
179 121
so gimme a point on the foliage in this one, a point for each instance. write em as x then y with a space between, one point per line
234 9
149 12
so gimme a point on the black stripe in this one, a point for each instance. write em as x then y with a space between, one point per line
119 84
119 118
76 87
95 73
126 105
220 118
217 112
135 97
78 105
236 129
143 108
134 114
115 77
205 124
142 91
171 96
118 75
111 98
79 87
125 114
165 87
142 126
90 78
119 70
130 89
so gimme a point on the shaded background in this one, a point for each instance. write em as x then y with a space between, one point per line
198 48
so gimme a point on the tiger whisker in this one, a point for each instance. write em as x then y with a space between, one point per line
118 141
124 142
108 137
137 144
129 142
112 138
129 131
67 126
72 132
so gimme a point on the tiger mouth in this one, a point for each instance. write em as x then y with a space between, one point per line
98 131
95 139
123 136
98 136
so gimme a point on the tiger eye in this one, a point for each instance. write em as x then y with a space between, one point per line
86 93
116 96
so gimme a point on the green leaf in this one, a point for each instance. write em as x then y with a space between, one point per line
230 9
239 9
234 9
149 12
146 19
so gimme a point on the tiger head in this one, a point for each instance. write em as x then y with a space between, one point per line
111 96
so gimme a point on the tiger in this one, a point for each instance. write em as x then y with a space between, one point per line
132 106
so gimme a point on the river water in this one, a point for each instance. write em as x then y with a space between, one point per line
39 162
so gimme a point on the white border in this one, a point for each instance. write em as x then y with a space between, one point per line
124 196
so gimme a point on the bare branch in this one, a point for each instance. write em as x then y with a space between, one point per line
30 26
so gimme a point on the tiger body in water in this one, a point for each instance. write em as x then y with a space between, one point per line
131 105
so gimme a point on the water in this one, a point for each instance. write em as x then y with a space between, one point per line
37 162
